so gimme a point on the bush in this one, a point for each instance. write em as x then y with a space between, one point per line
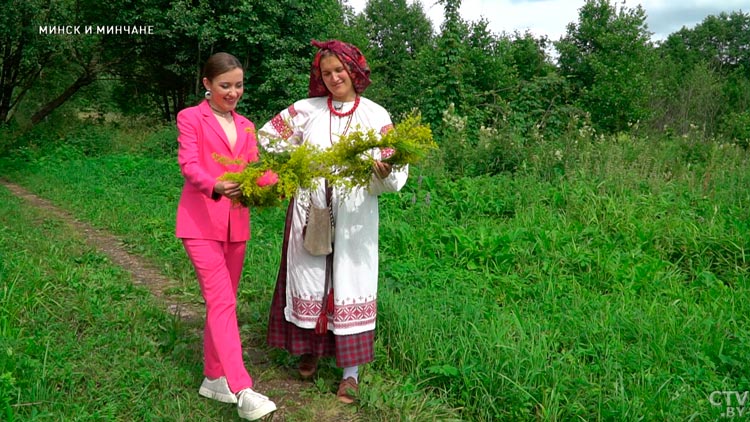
736 127
160 143
8 135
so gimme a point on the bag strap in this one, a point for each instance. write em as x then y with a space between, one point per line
329 204
321 327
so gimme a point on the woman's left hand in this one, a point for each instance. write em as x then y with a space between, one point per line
382 169
231 190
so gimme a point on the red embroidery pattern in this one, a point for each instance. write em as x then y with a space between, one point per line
305 310
292 111
344 316
386 153
281 127
354 315
385 129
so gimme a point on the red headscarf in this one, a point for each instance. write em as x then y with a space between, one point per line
350 56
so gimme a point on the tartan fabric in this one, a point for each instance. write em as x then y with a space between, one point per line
349 350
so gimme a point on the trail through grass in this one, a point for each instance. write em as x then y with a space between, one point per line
614 288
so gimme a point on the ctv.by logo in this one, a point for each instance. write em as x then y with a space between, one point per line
734 403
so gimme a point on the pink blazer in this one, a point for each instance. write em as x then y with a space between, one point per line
199 215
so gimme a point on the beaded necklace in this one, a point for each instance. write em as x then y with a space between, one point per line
333 112
344 114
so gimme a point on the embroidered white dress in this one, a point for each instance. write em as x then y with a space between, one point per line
355 258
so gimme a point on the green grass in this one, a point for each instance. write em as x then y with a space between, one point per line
135 197
614 288
79 341
609 294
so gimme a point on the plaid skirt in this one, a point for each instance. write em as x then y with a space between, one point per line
349 350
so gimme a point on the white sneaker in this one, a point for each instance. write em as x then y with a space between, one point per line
217 389
252 405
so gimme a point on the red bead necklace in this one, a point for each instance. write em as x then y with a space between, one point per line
339 114
333 111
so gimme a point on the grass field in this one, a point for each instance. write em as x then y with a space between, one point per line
615 289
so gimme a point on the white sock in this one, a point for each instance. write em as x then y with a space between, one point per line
351 371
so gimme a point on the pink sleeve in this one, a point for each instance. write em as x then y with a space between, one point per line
188 154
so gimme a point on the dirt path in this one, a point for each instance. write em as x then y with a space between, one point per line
143 272
292 396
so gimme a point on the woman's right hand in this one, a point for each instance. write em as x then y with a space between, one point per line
382 169
229 189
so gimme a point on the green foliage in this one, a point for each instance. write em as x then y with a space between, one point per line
701 99
600 261
544 146
736 127
608 56
133 197
25 53
486 78
66 311
162 69
542 107
8 136
719 40
607 68
530 56
158 143
705 75
623 256
276 176
347 163
396 33
55 43
277 60
351 157
75 134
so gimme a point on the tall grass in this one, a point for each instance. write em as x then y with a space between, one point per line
605 279
615 288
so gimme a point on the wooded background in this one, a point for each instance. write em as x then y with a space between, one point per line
576 249
605 72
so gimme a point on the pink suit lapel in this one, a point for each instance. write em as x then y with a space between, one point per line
240 124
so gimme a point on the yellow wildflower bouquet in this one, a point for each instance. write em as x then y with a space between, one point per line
351 158
275 176
348 163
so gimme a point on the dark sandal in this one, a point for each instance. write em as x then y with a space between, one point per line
308 364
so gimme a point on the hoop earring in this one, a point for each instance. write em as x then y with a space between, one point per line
207 94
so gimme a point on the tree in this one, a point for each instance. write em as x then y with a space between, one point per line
450 51
715 54
396 33
722 41
50 37
24 54
273 41
607 56
160 69
276 59
529 56
465 71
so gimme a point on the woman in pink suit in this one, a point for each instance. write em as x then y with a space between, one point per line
214 231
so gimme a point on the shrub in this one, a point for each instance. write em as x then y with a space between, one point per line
736 127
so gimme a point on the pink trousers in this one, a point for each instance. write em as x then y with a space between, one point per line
218 266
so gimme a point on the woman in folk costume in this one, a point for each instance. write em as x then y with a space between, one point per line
335 107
